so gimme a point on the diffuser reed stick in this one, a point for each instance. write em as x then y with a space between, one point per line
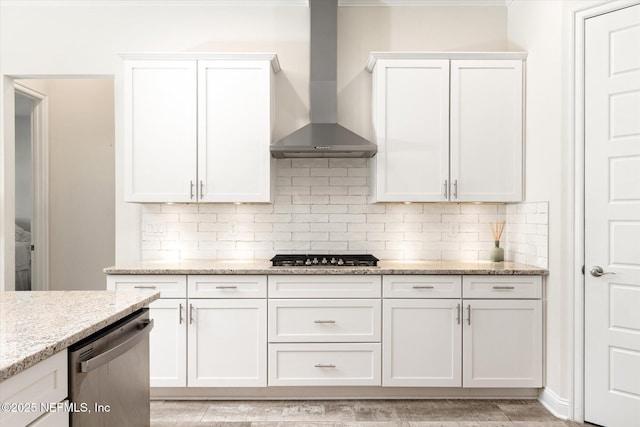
497 228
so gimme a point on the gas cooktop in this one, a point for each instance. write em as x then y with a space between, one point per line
326 260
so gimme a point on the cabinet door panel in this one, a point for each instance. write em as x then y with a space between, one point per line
227 343
422 343
168 343
234 129
502 343
486 130
160 130
411 121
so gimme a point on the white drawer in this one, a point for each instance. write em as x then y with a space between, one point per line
170 286
44 382
59 418
227 286
421 286
345 320
324 364
508 287
325 286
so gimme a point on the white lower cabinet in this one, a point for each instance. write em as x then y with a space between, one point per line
502 343
22 395
227 343
214 335
491 336
353 364
422 343
324 330
167 343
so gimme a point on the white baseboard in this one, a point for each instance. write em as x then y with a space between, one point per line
556 405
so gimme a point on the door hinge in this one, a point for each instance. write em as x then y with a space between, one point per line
583 270
33 247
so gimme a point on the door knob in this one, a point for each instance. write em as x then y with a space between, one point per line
597 271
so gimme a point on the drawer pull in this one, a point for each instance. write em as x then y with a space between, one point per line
324 321
504 287
322 365
458 313
227 287
181 319
145 287
423 287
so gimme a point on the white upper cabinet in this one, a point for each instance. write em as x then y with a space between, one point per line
448 127
234 131
198 127
160 127
486 130
411 121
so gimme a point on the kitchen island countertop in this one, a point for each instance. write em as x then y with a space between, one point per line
35 325
384 267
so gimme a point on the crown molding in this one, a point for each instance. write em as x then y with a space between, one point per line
375 56
94 3
465 3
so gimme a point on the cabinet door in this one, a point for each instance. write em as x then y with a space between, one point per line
411 126
227 343
168 343
502 342
234 131
486 130
160 131
422 343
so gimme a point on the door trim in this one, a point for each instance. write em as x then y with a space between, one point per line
577 141
40 176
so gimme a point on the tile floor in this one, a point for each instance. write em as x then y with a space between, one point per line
347 413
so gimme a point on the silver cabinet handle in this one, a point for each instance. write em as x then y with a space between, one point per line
190 313
504 287
455 189
446 189
322 365
180 318
324 321
458 314
191 193
597 271
469 314
145 287
422 287
201 189
226 287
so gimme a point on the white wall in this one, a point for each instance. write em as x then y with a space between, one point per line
81 180
544 29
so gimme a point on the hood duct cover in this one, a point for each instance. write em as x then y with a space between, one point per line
323 137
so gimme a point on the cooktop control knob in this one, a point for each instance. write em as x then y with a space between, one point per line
333 260
307 262
315 261
324 261
340 261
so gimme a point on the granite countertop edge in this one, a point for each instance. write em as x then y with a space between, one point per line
385 267
31 359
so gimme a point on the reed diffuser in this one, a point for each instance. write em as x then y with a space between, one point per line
497 253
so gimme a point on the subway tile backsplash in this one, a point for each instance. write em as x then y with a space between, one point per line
320 205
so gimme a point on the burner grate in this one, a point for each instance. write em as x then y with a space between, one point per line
324 260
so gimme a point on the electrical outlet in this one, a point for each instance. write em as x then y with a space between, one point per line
233 227
158 229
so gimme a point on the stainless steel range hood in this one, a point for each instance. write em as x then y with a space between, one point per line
323 137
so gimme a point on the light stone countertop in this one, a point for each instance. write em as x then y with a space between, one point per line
35 325
264 267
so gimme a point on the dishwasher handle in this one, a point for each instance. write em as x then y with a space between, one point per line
109 355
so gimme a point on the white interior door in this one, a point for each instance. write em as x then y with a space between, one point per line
612 218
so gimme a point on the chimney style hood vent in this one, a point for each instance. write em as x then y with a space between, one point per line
323 137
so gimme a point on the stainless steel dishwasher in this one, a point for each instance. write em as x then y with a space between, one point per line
109 375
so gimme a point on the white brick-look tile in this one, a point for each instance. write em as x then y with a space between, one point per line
321 205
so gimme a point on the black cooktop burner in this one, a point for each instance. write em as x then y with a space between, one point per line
326 260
